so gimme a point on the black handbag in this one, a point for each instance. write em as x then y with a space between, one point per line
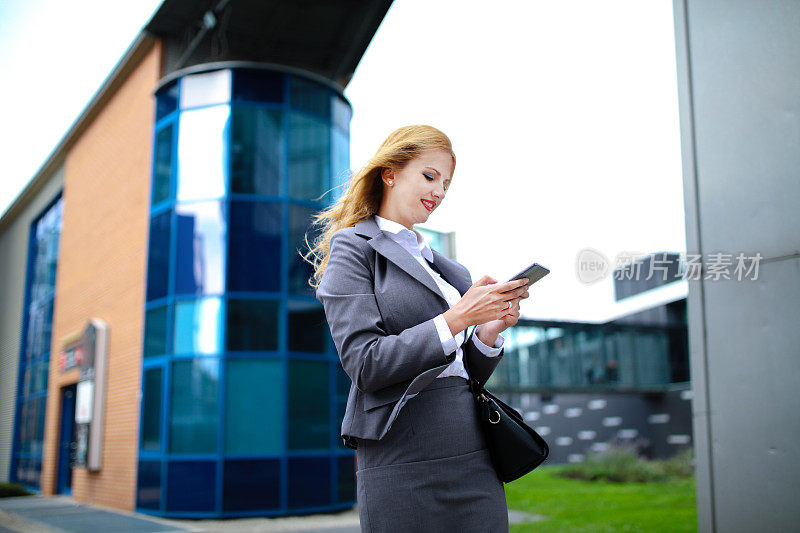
515 448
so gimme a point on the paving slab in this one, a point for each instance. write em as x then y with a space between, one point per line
60 514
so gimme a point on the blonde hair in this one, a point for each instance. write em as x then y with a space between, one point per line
363 194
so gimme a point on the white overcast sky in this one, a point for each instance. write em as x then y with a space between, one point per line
563 117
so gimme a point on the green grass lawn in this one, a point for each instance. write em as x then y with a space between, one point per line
572 505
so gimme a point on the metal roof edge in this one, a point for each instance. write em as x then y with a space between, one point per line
230 64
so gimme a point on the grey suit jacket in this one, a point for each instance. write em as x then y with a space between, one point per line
380 304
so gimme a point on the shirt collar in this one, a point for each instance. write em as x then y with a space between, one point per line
396 230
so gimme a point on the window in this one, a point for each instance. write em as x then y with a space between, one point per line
309 147
162 171
309 421
256 163
254 406
193 416
158 256
200 258
188 484
155 332
151 410
202 160
308 328
252 484
254 246
198 326
309 481
252 325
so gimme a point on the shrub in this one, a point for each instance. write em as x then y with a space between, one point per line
681 464
9 490
622 464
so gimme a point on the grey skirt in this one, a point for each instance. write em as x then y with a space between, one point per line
431 471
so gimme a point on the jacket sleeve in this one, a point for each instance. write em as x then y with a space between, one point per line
370 356
480 365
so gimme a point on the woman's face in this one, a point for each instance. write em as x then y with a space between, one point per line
413 193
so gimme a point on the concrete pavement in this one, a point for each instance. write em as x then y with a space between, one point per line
60 514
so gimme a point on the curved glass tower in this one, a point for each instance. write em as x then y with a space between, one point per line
242 390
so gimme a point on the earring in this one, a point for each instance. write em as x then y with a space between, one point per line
390 182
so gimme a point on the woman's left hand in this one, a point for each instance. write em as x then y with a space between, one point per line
494 327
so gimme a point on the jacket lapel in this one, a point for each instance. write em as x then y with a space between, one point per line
452 272
395 253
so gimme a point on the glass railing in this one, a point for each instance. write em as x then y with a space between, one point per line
547 356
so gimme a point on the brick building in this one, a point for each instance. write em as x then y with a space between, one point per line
161 351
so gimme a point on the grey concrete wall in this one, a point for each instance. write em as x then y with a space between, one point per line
14 240
739 90
575 425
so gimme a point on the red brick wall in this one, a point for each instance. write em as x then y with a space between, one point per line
101 274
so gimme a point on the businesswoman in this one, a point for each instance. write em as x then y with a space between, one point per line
398 313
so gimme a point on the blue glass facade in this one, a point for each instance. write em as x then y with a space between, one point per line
242 390
37 325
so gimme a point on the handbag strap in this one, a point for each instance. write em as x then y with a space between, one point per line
474 386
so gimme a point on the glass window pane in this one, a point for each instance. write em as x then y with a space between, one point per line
24 415
37 436
652 358
307 327
258 85
47 233
252 485
341 113
205 88
151 410
148 492
252 325
254 247
202 158
29 471
254 406
155 332
167 100
198 326
309 400
340 163
31 425
347 478
191 485
162 169
40 325
158 256
300 270
193 413
256 146
309 481
310 96
309 148
200 258
627 358
34 377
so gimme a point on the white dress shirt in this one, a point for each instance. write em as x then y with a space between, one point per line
415 244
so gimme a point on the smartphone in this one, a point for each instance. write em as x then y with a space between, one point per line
534 273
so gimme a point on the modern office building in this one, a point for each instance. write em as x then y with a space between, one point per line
161 348
585 387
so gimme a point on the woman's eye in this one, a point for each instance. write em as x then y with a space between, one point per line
429 176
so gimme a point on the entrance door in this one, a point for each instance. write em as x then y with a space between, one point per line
66 440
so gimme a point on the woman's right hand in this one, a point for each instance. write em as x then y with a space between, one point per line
486 300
